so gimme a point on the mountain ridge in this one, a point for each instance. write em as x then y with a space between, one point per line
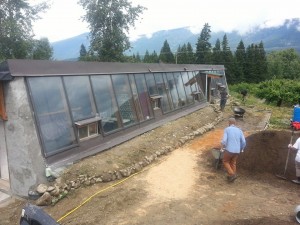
273 38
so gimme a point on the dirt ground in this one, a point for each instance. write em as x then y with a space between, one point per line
184 187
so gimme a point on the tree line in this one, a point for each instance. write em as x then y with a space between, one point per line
110 23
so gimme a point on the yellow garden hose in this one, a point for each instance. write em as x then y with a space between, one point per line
100 191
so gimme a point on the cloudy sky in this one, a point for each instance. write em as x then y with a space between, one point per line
63 19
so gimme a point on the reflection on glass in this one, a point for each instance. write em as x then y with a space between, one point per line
124 99
182 101
143 96
52 113
83 132
187 88
80 97
106 103
136 98
151 84
172 90
166 98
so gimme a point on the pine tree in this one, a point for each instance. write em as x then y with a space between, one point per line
217 56
190 54
166 56
203 47
83 53
146 58
240 57
228 60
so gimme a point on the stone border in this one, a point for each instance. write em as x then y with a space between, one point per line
48 195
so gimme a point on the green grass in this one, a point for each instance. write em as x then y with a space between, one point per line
280 118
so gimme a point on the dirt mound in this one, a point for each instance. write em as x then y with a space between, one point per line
267 151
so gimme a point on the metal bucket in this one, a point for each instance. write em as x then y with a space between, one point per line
218 156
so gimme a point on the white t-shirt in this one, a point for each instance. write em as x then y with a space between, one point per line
297 146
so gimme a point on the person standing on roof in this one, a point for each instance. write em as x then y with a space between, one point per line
233 142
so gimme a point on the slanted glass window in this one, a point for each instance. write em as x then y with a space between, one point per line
172 89
143 96
199 85
106 103
182 101
52 113
151 84
187 88
80 97
124 99
162 91
135 97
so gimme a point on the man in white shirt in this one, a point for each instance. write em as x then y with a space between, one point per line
296 147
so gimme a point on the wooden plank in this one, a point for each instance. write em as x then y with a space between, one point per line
3 114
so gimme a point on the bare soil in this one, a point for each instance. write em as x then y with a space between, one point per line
184 187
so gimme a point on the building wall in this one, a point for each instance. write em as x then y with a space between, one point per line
25 161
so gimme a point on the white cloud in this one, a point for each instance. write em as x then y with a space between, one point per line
63 20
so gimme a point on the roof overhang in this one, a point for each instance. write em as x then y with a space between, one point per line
5 76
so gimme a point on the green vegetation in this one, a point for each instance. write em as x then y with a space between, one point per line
109 22
281 116
16 35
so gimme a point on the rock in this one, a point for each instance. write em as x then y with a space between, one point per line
41 188
44 200
50 188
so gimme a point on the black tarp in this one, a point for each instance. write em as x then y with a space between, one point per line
34 215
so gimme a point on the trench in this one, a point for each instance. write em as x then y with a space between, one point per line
266 151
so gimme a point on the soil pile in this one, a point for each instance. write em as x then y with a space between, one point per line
267 151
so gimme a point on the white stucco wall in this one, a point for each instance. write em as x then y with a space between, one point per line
25 161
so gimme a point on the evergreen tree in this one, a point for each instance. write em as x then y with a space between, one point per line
228 60
190 54
83 53
240 57
181 55
217 56
166 56
262 68
154 57
110 21
250 74
203 46
138 58
147 58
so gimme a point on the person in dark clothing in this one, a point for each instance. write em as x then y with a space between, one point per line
244 94
223 96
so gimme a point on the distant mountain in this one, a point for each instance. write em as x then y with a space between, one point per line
274 38
69 49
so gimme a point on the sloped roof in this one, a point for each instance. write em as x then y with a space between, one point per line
21 67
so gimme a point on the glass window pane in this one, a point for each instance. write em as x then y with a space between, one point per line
166 98
151 84
199 85
106 103
182 101
83 132
143 96
80 97
136 98
187 88
52 113
172 90
124 98
93 129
